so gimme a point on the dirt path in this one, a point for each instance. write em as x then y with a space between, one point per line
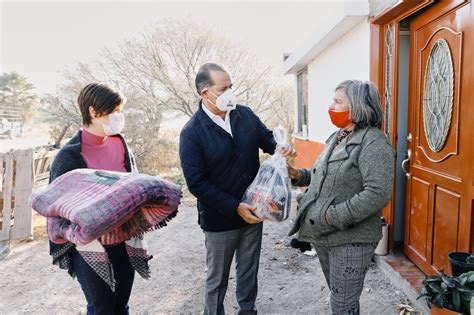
290 282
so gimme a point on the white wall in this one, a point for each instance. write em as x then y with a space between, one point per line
347 58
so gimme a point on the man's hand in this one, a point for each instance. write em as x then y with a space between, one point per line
287 150
246 212
293 173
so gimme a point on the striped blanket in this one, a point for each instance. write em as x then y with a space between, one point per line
85 204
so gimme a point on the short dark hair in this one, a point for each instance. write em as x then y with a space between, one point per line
101 97
203 76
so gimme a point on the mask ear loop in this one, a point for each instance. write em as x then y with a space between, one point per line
209 99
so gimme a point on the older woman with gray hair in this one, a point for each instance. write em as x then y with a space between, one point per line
348 186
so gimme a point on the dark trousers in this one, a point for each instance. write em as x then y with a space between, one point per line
100 298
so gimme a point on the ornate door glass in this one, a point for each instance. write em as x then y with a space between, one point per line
438 95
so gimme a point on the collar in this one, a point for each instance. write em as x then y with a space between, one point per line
340 152
74 144
91 139
355 136
211 114
205 120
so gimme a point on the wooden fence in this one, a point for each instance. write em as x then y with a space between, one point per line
21 173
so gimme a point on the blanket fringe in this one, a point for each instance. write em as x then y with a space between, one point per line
157 226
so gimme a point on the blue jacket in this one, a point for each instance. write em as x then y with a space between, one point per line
219 167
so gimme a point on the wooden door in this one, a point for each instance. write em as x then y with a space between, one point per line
439 201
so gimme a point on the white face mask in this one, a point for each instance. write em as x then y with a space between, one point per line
226 101
116 124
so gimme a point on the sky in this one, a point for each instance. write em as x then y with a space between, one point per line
39 39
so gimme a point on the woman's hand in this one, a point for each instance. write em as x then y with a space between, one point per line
287 150
293 173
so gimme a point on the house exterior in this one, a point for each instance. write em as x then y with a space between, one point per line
338 49
418 53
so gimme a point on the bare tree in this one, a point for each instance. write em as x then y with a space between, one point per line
156 70
281 112
164 59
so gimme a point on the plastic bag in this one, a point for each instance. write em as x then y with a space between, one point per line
270 192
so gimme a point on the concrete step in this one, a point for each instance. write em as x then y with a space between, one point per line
405 276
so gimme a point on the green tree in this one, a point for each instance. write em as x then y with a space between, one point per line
18 99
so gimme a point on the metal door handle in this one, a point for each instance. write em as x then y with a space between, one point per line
405 162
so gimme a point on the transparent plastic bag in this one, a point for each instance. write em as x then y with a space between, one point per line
270 192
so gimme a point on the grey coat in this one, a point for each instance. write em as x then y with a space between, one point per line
352 183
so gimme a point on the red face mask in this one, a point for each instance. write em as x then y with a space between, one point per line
340 119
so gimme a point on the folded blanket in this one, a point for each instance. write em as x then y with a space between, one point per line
84 204
147 218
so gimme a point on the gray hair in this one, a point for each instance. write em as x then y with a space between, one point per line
364 102
203 76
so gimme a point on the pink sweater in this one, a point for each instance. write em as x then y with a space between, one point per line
103 153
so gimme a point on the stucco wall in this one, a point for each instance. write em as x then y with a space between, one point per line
377 6
347 58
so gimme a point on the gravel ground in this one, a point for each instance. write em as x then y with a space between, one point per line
289 282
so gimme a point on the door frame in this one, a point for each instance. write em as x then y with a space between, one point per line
378 53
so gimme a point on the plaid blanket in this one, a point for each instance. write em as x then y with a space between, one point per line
147 218
85 204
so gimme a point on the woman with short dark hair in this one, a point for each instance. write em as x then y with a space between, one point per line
348 186
98 145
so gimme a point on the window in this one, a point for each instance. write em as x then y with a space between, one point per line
302 87
388 78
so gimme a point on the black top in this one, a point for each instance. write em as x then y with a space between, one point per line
219 167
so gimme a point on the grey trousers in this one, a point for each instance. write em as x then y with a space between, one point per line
220 248
344 268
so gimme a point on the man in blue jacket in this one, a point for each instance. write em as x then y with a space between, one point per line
219 151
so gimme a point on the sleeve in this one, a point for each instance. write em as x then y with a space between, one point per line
193 165
304 180
58 168
376 164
